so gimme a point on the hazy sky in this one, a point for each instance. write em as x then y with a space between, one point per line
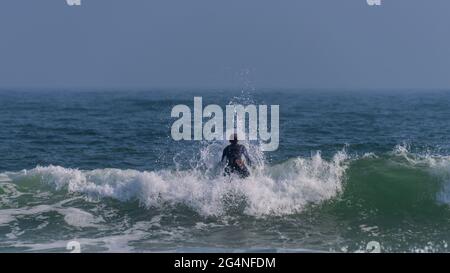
220 43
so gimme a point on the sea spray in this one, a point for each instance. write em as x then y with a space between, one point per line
285 188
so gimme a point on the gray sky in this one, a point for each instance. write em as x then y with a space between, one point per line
222 43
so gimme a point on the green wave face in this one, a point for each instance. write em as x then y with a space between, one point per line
392 187
395 200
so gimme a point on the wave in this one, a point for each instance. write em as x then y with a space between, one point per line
280 189
399 181
397 184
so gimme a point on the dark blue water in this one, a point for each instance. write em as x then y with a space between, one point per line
102 168
131 129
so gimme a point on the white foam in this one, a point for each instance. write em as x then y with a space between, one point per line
282 189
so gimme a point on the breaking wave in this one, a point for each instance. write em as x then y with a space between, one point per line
284 188
393 182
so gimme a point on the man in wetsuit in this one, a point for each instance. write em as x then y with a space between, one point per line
233 153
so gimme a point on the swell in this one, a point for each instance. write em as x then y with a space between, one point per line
398 182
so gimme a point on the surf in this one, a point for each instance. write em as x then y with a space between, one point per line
374 193
390 182
280 189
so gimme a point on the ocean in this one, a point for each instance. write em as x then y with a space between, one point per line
101 168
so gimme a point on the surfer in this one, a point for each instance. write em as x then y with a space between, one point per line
233 154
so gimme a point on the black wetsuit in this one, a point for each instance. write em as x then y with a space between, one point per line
233 153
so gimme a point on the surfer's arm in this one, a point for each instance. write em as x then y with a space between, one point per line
247 157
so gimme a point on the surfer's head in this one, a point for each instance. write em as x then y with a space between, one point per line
234 139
